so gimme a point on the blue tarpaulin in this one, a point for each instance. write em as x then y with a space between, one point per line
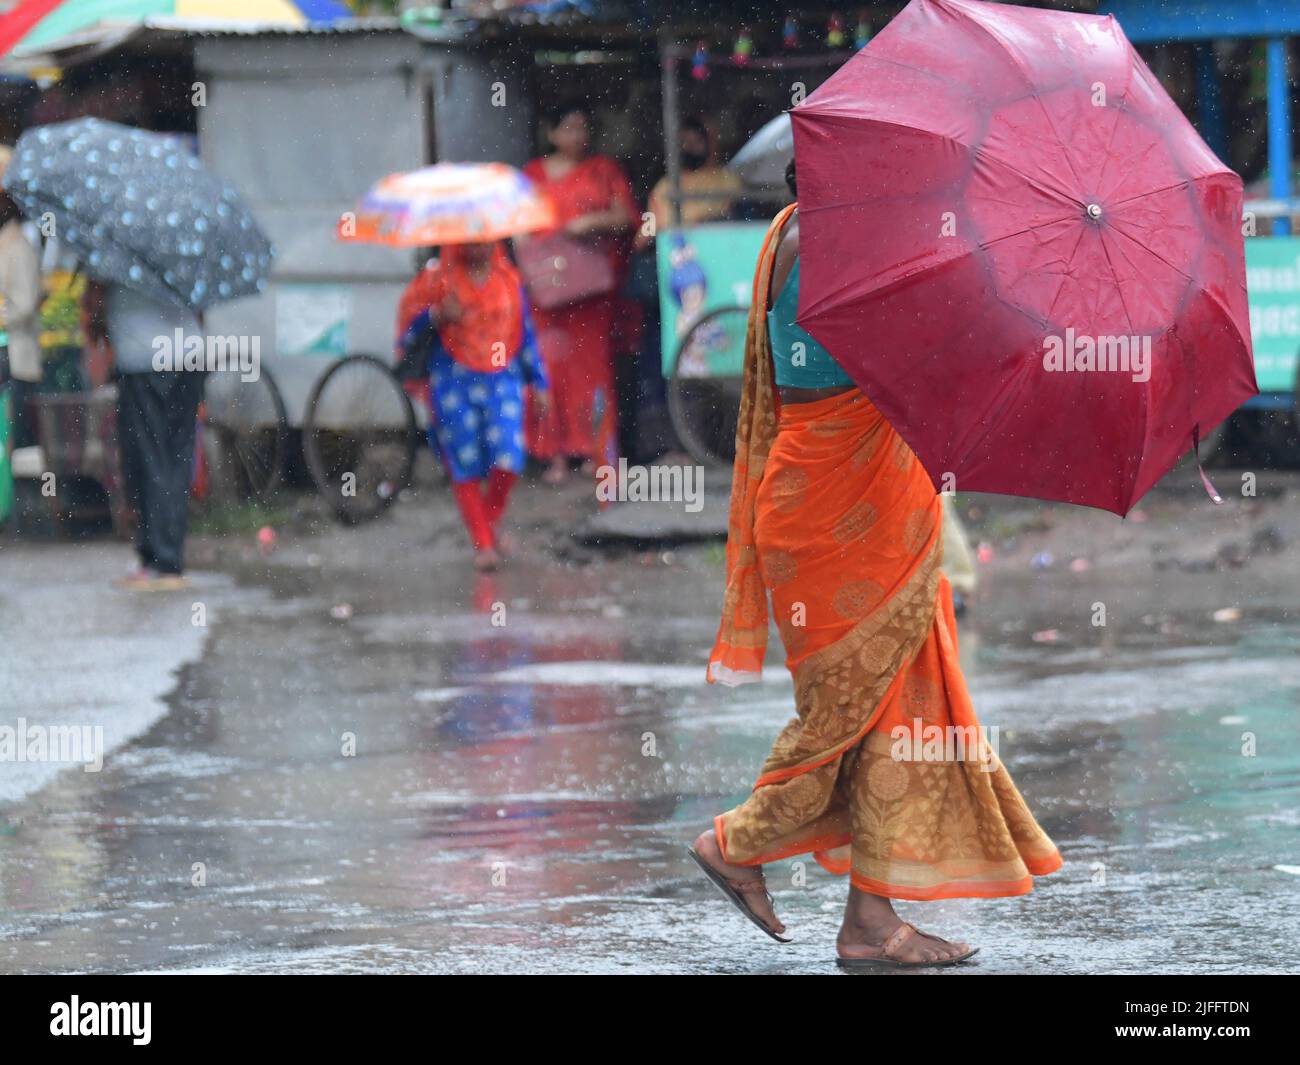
1200 20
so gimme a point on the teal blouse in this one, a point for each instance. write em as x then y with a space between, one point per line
799 360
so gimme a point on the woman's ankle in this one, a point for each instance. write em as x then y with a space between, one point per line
867 911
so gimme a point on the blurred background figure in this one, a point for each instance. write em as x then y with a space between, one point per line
574 274
20 289
701 174
483 354
156 412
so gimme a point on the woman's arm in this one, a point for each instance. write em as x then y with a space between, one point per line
613 219
618 216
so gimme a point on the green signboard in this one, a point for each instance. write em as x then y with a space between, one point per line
702 268
1273 286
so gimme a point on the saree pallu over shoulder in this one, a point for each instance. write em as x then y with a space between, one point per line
737 656
836 520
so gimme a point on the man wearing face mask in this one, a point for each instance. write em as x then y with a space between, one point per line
700 173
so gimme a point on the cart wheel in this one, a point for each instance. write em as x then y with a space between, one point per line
703 406
245 431
359 437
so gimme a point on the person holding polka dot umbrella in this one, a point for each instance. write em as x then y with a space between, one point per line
161 239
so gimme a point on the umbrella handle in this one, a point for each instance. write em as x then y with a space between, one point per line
1196 451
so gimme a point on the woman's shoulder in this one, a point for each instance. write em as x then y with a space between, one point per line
786 258
788 242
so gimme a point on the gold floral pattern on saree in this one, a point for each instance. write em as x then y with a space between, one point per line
914 829
788 487
778 567
919 528
865 450
857 599
855 522
920 825
857 670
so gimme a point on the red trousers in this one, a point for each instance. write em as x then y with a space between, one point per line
481 505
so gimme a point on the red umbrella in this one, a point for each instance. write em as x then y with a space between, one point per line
1021 250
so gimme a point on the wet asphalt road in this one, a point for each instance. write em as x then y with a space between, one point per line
534 750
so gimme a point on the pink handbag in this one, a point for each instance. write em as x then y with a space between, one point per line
560 270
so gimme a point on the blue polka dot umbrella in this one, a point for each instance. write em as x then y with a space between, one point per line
140 209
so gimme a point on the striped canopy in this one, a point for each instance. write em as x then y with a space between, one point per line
38 26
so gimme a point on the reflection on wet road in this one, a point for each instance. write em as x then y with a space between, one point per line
507 783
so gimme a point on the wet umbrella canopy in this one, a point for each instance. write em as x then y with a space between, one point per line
141 210
985 187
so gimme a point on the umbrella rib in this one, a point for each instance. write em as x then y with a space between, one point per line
1166 188
1029 83
988 421
884 287
990 159
1061 289
1143 394
1028 229
976 150
1118 287
951 83
1151 251
887 286
1208 291
1128 84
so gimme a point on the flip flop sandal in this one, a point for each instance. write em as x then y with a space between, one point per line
734 890
885 955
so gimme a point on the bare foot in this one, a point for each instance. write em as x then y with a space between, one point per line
869 921
706 846
487 560
557 472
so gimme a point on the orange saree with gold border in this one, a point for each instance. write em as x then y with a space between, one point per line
884 773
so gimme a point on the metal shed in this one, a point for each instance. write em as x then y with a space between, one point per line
302 123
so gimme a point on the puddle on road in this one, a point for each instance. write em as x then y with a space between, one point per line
520 797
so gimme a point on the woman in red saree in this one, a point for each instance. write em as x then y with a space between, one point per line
834 518
593 201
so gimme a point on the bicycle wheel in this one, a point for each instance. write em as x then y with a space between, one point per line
245 431
359 437
704 390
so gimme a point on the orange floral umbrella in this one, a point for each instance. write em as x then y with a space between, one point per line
450 203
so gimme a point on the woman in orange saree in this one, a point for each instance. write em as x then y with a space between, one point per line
884 774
